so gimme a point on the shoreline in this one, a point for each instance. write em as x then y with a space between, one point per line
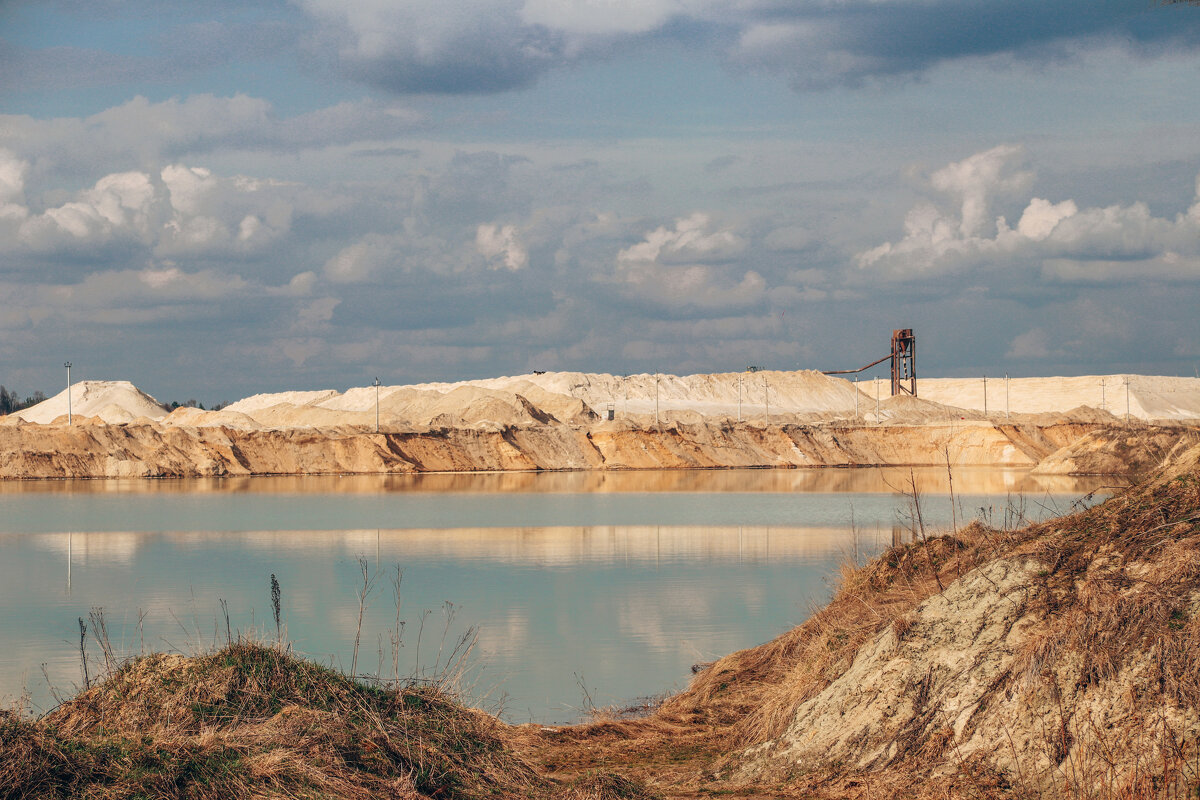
95 450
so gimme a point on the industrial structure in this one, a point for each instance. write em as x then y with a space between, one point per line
904 363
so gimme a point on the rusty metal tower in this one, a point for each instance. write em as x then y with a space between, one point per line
904 362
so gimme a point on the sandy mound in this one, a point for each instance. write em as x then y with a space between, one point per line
186 416
1144 396
260 401
907 410
801 397
114 402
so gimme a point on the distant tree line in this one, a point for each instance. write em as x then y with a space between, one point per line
174 404
11 401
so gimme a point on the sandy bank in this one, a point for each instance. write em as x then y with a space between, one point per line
149 449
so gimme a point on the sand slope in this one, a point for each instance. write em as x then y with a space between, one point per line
797 397
1149 396
112 401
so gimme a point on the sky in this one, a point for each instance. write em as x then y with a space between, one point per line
213 199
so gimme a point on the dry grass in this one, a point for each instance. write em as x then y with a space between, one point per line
254 721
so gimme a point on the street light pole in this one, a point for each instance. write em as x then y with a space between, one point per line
377 405
69 417
656 378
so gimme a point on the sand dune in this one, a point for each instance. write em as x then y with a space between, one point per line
586 399
804 396
113 402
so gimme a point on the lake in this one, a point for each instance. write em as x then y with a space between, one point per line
569 589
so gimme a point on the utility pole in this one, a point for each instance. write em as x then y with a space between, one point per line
377 404
1102 403
766 403
655 398
985 395
68 366
1127 400
739 398
856 398
1007 408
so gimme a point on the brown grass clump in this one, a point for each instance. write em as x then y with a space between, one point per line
254 721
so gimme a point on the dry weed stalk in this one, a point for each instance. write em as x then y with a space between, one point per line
364 590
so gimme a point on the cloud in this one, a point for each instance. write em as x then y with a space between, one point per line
819 45
1032 345
689 266
480 46
688 242
178 211
976 180
140 131
424 46
12 185
1059 240
176 53
501 246
485 46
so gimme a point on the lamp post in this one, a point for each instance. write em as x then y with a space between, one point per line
377 405
69 417
656 378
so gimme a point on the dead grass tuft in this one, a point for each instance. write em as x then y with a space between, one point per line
251 720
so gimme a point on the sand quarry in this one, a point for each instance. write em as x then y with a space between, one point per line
586 399
580 421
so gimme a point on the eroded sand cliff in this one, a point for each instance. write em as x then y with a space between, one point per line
562 421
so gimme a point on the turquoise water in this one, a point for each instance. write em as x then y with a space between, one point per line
570 589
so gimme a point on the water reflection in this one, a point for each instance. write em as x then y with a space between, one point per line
560 546
623 578
978 480
630 608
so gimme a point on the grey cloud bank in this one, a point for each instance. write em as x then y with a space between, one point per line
416 219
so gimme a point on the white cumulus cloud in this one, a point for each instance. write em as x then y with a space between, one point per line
501 246
1060 239
689 242
178 211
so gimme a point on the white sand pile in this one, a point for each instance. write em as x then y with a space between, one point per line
260 401
1149 396
185 416
714 395
114 402
579 398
